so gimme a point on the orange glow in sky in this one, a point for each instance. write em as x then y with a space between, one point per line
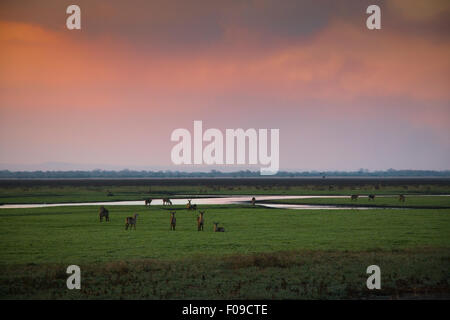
344 97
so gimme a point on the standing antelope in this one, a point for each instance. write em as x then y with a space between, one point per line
103 213
131 221
148 202
253 201
166 201
354 197
217 228
200 221
371 197
173 221
401 198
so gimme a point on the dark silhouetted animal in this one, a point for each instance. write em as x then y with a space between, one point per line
200 221
173 221
103 213
131 221
371 197
354 197
253 201
401 198
148 202
166 201
217 228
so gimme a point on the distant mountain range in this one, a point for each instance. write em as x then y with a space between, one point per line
117 174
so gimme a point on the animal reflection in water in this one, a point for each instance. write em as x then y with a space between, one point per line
103 213
131 221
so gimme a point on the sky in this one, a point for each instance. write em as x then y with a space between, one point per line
109 95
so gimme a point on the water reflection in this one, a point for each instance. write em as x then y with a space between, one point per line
207 200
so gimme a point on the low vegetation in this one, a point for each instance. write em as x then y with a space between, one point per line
413 274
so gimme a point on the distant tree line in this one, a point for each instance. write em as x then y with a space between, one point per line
6 174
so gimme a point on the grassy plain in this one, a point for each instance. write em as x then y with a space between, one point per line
264 254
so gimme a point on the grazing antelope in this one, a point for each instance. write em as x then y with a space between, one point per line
103 213
217 228
354 197
166 201
173 221
371 197
200 221
131 221
401 198
253 201
148 202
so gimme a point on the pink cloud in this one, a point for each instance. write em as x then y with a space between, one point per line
60 89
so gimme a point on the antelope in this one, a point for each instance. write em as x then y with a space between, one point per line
354 197
103 213
166 201
371 197
401 198
217 228
148 202
200 221
253 201
173 221
190 206
131 221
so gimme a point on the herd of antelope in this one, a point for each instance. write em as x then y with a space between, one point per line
355 197
130 222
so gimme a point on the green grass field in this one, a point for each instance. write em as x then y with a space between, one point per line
388 201
74 234
264 253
